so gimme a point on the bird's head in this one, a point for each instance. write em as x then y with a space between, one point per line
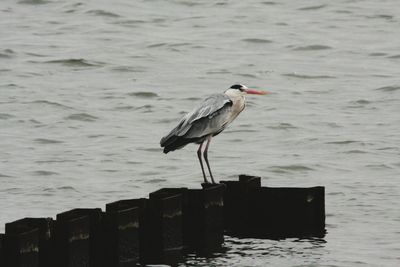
241 90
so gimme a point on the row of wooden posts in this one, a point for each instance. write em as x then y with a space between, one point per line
162 228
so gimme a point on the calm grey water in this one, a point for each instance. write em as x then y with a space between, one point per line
87 89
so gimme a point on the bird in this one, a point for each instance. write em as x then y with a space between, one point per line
207 120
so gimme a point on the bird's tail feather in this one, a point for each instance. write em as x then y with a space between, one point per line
175 142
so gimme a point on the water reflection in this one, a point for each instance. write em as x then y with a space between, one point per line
259 252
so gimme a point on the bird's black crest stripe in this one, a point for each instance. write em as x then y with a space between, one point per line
236 86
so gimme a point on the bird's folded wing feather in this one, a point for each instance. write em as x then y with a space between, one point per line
217 104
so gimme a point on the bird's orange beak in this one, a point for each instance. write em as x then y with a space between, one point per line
255 92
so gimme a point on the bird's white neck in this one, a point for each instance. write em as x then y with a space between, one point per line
238 102
235 94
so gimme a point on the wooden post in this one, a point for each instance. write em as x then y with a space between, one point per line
122 234
236 207
45 227
202 209
164 228
79 238
2 261
265 212
287 212
206 218
21 245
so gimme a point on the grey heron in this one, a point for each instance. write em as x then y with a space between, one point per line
210 118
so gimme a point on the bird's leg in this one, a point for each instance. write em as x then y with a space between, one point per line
201 162
206 157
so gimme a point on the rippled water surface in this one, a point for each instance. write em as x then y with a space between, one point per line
87 89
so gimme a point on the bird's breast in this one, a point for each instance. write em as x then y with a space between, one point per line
238 105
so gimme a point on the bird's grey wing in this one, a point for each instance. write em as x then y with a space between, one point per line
208 108
211 124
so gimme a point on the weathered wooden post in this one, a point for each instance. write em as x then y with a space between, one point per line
2 262
205 218
122 234
79 238
287 212
45 227
236 206
160 226
163 228
202 209
265 212
21 245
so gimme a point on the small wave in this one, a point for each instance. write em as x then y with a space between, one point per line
247 75
303 76
312 48
192 98
151 149
6 116
179 44
145 108
82 117
47 141
190 3
166 120
34 2
50 103
44 173
128 69
7 53
240 131
103 13
355 151
283 126
153 181
143 94
35 54
156 45
334 125
389 88
395 56
362 102
257 40
222 71
377 54
378 166
335 193
53 161
237 140
342 11
73 62
134 162
269 3
130 22
291 168
12 85
67 188
95 135
345 142
124 107
387 148
312 7
5 176
109 171
381 16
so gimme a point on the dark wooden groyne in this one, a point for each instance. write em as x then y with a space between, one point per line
161 229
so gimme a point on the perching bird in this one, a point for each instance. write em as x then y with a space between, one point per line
207 120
